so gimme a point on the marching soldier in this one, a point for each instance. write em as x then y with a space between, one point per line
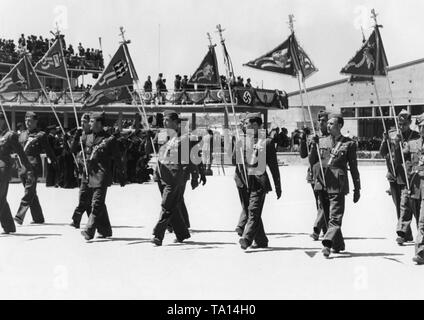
9 143
34 143
260 153
335 182
85 137
174 165
101 153
321 197
418 182
409 199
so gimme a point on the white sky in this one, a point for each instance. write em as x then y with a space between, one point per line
328 30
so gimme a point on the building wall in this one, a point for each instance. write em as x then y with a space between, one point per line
293 117
407 85
406 82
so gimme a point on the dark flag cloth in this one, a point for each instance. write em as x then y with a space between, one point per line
354 78
112 85
117 73
22 77
207 73
370 60
53 63
107 96
228 62
277 60
301 59
287 58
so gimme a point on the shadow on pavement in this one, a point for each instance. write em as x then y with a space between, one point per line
127 227
271 249
201 243
364 238
48 224
346 254
112 239
31 235
212 231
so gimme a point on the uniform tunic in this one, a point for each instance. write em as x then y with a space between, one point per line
260 153
34 144
9 143
336 185
103 152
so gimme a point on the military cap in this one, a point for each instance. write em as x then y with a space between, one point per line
173 115
420 120
98 116
322 113
338 116
86 116
253 116
404 115
31 114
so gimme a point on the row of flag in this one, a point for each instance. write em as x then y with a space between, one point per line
115 83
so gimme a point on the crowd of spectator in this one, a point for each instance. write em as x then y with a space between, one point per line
291 142
181 83
82 58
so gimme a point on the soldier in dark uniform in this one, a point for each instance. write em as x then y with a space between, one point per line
409 199
260 152
102 152
52 174
321 197
174 164
85 137
396 178
418 170
9 143
34 143
335 182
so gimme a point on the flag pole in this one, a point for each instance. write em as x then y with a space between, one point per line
43 89
222 90
384 125
5 116
137 89
10 129
307 101
374 17
220 30
291 26
72 99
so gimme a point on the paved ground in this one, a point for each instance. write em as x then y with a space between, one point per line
53 261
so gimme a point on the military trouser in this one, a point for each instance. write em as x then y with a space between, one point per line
396 191
172 196
6 218
84 202
333 237
99 217
323 212
408 207
183 209
419 242
244 200
254 228
30 200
